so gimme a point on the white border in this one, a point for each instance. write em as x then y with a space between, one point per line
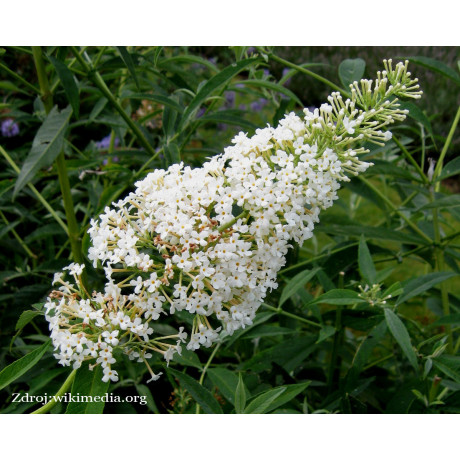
239 22
265 437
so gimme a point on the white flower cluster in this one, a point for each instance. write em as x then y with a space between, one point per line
211 240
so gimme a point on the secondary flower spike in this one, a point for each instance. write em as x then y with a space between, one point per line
210 241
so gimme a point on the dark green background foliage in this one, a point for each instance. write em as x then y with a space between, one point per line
330 338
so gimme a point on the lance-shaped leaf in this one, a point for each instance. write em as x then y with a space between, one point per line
216 82
450 169
22 365
296 283
198 392
46 146
365 262
421 284
88 384
129 62
399 332
68 82
437 66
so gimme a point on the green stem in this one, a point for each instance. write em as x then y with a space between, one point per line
336 362
307 72
39 196
396 210
438 168
334 365
74 231
47 97
233 221
403 203
45 91
291 315
100 83
440 266
422 133
378 361
315 259
20 240
19 78
411 159
64 388
203 372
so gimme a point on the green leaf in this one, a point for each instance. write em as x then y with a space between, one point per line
260 404
445 202
351 70
325 333
437 66
88 383
230 117
450 169
68 82
226 381
212 85
268 331
363 353
188 358
259 319
169 122
445 320
372 232
365 262
399 332
240 395
274 87
188 59
416 113
394 290
290 393
97 109
338 297
297 283
22 365
163 100
144 390
389 169
356 185
421 284
44 378
172 153
4 230
454 375
46 146
199 393
43 232
128 60
450 361
26 317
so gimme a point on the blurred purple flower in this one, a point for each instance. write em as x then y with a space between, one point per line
258 105
230 98
251 50
242 106
115 159
201 112
104 143
266 72
9 128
